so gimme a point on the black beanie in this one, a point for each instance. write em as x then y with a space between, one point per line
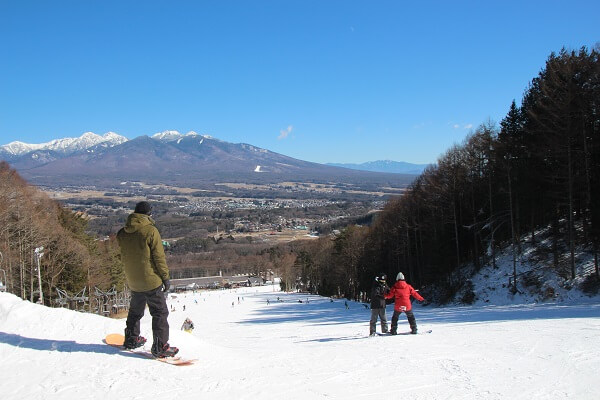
143 207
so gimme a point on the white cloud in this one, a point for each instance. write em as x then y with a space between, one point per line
285 132
464 126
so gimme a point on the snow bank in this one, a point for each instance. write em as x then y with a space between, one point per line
253 349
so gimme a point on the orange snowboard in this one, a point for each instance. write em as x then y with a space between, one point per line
117 340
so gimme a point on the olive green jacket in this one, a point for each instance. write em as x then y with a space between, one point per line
142 253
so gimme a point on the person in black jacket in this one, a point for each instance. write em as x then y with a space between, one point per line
378 292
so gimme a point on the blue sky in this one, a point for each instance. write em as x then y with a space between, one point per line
323 81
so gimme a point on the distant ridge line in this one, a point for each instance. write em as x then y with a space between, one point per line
396 167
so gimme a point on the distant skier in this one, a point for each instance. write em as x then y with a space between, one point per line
378 292
188 325
147 275
401 292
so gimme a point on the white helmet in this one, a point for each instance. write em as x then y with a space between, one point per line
400 276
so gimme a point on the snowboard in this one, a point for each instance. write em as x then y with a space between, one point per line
117 340
405 333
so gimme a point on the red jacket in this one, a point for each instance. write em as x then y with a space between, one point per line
401 292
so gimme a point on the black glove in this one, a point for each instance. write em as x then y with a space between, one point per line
166 285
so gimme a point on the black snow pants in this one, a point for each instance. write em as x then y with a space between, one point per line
377 312
158 309
409 316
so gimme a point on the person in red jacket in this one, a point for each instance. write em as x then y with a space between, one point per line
401 292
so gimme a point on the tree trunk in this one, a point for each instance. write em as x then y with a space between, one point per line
596 259
570 219
475 231
555 237
456 235
532 210
492 228
512 229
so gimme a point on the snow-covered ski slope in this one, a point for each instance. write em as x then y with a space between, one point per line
249 349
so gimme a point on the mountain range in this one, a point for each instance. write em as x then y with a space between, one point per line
170 157
396 167
64 146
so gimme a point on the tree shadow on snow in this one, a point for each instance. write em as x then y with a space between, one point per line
334 339
317 312
63 346
479 314
324 312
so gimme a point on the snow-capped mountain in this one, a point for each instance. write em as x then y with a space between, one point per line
66 145
171 136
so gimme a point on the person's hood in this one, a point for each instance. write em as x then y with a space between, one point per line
401 284
136 221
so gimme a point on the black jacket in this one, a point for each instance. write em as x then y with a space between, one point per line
377 295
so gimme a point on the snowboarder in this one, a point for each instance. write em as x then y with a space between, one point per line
401 292
378 292
188 325
148 278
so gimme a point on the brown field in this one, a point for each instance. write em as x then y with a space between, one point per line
285 236
315 187
186 191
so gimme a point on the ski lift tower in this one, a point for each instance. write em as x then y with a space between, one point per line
39 252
